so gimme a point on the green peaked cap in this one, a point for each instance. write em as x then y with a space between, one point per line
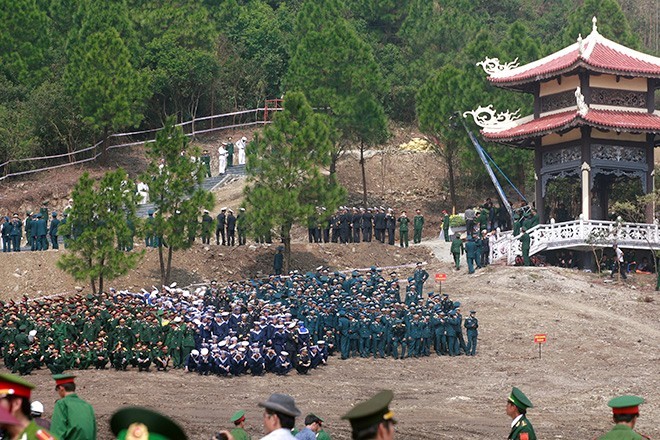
625 402
519 399
371 412
238 415
160 427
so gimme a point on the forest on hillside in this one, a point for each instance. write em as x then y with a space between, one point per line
74 71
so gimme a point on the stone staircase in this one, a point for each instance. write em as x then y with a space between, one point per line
209 184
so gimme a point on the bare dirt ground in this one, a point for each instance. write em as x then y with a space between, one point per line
603 338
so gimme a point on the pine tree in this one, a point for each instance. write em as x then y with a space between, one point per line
333 65
174 175
285 182
99 223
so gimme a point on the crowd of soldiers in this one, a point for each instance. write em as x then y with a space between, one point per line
255 326
353 225
37 227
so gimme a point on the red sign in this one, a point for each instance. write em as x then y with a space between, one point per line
540 338
440 277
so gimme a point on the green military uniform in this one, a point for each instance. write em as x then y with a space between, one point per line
11 385
322 435
207 227
403 231
525 239
418 224
522 429
457 249
239 433
206 161
624 405
73 418
230 154
35 432
445 225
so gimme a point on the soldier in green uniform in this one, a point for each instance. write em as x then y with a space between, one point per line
516 408
625 411
525 239
457 249
418 224
239 433
15 398
373 419
403 229
206 161
73 418
141 423
28 228
207 227
445 225
230 153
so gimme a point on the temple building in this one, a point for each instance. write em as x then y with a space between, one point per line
594 118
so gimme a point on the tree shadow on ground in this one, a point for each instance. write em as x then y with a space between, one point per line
182 277
262 265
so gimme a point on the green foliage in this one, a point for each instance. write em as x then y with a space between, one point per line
109 90
456 221
100 221
285 183
25 45
17 137
336 69
612 23
174 176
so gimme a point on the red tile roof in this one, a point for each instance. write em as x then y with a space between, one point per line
598 54
622 120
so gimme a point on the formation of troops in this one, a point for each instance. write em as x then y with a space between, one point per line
254 327
39 232
355 225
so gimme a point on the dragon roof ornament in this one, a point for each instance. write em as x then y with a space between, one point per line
492 66
488 118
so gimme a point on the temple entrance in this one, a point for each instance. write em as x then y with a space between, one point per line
618 196
562 199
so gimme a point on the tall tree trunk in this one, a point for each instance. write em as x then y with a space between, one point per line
452 185
170 252
162 264
286 239
334 157
364 175
92 281
101 263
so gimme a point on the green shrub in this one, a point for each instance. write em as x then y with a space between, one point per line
456 220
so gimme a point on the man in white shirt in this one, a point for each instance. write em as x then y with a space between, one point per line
280 414
222 158
240 145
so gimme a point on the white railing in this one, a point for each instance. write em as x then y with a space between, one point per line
578 234
196 126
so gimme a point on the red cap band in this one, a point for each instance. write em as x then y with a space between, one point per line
626 410
63 381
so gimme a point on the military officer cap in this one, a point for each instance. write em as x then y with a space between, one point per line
472 312
61 379
238 417
139 421
369 413
11 385
54 214
625 405
519 399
